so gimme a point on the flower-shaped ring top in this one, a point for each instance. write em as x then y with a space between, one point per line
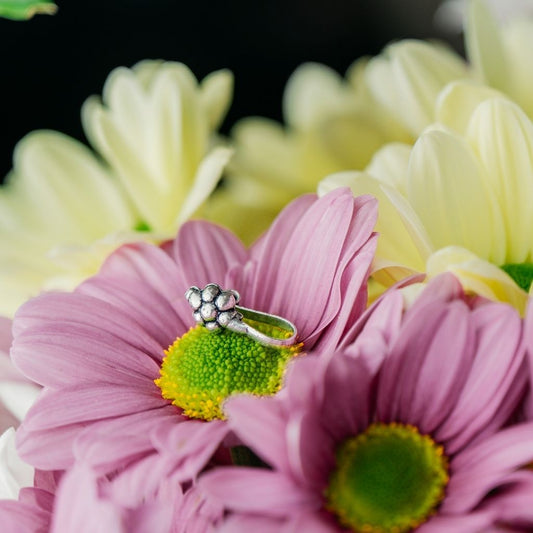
216 308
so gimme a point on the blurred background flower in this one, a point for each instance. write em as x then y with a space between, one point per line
55 63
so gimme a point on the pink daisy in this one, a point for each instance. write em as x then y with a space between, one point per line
98 351
32 511
80 500
86 503
425 442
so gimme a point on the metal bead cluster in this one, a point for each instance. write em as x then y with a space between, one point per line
213 307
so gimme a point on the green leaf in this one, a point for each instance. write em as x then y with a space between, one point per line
25 9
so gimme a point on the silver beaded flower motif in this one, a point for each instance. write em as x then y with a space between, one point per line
212 306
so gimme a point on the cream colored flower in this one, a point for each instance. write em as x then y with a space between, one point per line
501 55
452 14
332 124
461 199
63 209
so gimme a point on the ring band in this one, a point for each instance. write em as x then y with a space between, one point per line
215 308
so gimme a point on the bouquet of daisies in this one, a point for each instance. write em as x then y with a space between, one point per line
316 327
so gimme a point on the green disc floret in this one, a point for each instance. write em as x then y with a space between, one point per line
389 479
202 368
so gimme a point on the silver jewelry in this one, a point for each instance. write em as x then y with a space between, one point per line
216 308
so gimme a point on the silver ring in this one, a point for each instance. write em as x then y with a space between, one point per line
216 308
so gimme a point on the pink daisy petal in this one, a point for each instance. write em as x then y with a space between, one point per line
259 419
190 445
85 403
163 319
498 360
440 379
268 251
6 336
513 504
375 331
142 482
310 452
481 468
65 309
48 450
252 490
144 263
437 353
352 382
80 354
470 523
300 382
204 253
196 514
443 289
112 443
147 268
17 517
313 255
318 522
246 523
351 287
79 509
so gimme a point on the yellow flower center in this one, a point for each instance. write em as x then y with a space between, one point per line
203 368
389 479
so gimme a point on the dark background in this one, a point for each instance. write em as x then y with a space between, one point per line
52 63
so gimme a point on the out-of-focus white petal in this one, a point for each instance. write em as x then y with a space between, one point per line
206 178
216 94
484 46
15 474
18 397
518 41
313 92
62 183
407 77
154 127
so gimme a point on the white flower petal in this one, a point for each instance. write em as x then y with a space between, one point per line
313 92
484 46
502 136
518 43
205 181
389 165
14 473
154 128
457 102
448 190
407 78
216 95
477 276
18 397
61 183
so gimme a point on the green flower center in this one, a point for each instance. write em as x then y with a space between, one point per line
389 479
522 273
142 226
202 368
